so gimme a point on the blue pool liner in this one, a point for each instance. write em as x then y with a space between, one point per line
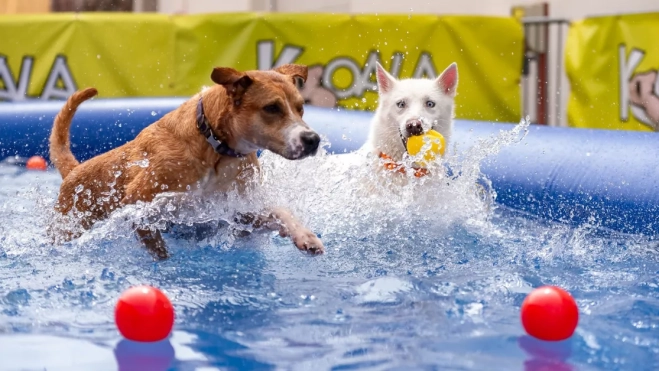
577 176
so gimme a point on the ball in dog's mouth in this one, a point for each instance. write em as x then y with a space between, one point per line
405 136
431 138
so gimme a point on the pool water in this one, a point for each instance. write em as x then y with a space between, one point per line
428 275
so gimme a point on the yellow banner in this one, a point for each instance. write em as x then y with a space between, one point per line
612 65
126 55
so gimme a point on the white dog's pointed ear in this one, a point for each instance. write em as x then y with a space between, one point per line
385 80
448 80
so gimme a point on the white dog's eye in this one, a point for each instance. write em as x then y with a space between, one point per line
430 104
400 104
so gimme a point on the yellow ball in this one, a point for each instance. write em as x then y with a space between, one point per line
416 143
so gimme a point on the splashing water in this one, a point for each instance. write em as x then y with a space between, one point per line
352 196
419 272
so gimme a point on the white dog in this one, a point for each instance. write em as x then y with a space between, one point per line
407 108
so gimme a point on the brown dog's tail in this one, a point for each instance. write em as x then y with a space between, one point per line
60 147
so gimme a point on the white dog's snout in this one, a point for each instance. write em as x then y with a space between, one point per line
415 125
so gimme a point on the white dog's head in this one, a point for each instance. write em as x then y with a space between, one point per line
411 107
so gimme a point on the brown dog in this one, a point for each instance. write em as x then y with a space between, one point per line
207 143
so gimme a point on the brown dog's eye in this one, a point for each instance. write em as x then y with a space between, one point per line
272 108
301 110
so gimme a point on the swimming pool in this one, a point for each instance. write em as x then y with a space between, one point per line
411 280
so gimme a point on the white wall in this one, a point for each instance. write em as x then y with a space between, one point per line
203 6
574 9
558 8
486 7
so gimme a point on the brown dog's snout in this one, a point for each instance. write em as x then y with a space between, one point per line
414 127
310 141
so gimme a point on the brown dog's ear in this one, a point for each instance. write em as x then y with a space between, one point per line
235 82
298 71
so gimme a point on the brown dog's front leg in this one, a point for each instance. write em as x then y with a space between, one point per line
152 241
282 220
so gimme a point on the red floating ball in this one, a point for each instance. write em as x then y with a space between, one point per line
144 313
549 313
36 163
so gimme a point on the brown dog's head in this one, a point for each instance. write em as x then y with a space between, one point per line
266 111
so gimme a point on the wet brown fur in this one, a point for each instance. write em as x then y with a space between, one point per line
179 156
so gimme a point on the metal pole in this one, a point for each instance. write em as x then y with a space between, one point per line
559 75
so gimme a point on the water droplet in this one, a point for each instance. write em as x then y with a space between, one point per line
153 113
79 188
67 284
18 297
141 163
107 275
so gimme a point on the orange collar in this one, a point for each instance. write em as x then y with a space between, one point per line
392 165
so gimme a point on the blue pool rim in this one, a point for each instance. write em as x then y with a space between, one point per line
604 178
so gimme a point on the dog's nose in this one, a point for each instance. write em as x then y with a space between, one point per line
414 127
310 140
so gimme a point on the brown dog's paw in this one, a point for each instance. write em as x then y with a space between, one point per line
306 240
154 244
159 255
157 249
